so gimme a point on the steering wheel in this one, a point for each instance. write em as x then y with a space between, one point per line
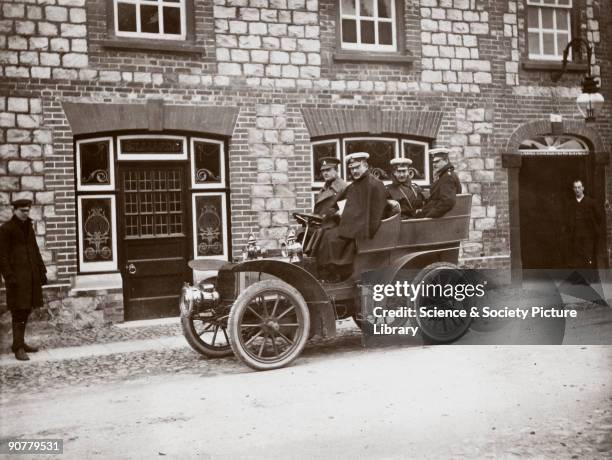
307 219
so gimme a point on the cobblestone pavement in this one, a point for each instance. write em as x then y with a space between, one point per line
18 378
55 338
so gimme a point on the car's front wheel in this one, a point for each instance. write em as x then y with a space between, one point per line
268 325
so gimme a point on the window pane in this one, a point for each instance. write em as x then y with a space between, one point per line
207 163
149 19
348 7
549 44
547 18
562 19
172 20
349 31
321 151
532 17
534 43
96 229
384 33
562 41
152 146
209 223
367 32
127 17
367 7
417 154
381 153
549 2
384 8
94 163
565 2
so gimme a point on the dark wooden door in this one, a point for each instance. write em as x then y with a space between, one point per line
544 193
154 223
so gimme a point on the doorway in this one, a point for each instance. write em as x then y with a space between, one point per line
154 236
545 189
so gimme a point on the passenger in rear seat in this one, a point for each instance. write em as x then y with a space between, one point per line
403 191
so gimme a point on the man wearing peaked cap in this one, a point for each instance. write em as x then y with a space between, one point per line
445 188
23 271
325 201
403 191
363 212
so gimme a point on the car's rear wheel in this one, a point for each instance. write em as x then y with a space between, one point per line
441 329
269 325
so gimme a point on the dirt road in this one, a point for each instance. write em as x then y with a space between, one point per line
396 402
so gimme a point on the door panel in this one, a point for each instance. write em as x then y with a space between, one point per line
155 234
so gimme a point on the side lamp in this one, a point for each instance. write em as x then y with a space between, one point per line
590 101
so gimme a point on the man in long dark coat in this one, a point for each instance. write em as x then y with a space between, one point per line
403 191
365 204
23 271
445 187
584 228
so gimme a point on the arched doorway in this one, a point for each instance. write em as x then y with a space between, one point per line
549 166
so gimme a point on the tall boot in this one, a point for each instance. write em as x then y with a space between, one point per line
26 347
18 333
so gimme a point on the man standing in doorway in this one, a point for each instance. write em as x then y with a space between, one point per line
23 271
584 229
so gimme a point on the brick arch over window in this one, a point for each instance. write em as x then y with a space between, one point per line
90 118
512 160
336 122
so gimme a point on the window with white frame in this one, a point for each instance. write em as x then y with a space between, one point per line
382 150
549 28
162 19
368 25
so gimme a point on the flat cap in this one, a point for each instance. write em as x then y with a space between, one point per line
22 203
439 152
355 157
328 162
400 162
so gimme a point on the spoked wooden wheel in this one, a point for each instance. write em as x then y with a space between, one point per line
269 325
206 332
441 329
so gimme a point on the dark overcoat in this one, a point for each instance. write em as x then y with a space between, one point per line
325 201
21 265
366 199
584 227
408 195
443 193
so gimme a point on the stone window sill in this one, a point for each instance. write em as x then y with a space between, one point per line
553 65
152 45
361 56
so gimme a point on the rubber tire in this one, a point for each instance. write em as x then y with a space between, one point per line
240 306
420 277
194 340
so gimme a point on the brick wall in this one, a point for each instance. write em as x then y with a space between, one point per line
271 58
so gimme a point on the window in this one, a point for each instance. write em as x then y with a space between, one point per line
381 149
94 164
97 233
549 28
161 19
152 147
368 25
554 146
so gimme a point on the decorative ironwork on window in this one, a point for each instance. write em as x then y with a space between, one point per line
207 164
549 28
420 167
98 247
368 25
162 19
210 225
381 151
94 164
553 146
152 148
153 203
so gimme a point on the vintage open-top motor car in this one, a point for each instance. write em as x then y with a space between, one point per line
264 309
